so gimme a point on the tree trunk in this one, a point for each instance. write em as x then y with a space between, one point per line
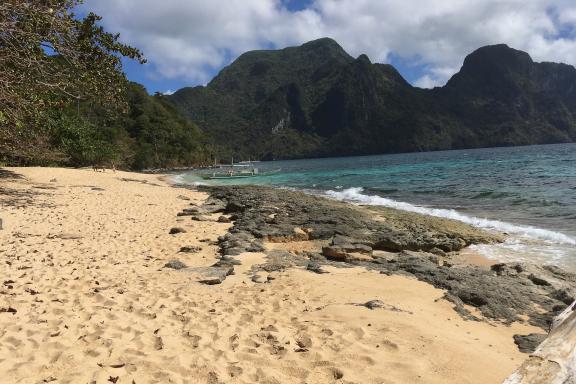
554 361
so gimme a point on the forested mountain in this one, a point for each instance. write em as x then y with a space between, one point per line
316 100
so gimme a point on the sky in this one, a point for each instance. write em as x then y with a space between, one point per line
187 42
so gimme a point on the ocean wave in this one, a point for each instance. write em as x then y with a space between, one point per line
355 195
181 179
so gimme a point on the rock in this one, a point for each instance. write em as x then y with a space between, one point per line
335 253
176 230
200 218
223 219
210 275
259 279
175 264
315 267
373 304
182 197
387 256
304 341
97 189
229 261
190 249
297 234
189 212
53 180
348 252
529 343
506 292
355 256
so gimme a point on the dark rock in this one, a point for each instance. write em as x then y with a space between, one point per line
529 343
506 292
200 218
175 264
176 230
315 267
223 219
190 249
373 304
259 279
537 280
182 197
211 275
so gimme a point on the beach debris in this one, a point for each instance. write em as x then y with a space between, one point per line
176 230
8 310
175 264
64 236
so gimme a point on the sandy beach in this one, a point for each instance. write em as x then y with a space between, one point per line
85 298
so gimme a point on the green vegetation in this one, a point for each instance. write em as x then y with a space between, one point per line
64 98
316 100
151 135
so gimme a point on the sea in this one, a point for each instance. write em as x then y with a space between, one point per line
528 192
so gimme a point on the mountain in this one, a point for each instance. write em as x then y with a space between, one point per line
317 100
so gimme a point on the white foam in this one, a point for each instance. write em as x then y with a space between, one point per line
355 195
181 179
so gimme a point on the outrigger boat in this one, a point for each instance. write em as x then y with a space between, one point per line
232 172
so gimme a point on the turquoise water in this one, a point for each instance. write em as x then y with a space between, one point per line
528 192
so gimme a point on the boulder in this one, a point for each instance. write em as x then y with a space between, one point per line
175 264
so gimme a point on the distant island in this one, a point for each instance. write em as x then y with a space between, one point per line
316 100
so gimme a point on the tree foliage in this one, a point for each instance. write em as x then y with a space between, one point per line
50 58
152 134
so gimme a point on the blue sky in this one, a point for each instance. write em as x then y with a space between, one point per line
187 42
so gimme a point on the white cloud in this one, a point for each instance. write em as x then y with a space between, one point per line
168 92
190 39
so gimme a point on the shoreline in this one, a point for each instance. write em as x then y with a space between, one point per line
86 274
524 243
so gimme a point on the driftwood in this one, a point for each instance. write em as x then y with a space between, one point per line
554 361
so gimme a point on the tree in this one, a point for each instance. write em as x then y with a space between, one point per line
49 59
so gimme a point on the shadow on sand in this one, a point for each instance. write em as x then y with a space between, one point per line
18 197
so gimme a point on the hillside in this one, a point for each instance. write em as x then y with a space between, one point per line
316 100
